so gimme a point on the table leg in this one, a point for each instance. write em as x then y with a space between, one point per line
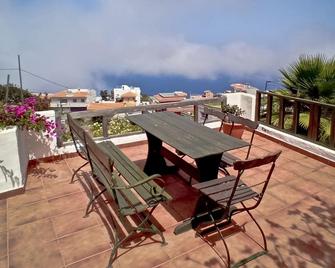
208 167
155 162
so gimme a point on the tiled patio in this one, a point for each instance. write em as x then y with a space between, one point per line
45 227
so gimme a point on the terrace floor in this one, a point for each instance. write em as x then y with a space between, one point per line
45 227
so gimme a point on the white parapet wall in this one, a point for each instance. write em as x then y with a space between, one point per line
245 101
13 159
38 144
298 142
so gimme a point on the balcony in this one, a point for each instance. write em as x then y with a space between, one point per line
45 227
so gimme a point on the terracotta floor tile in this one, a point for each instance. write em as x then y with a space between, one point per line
3 204
145 255
27 214
47 255
270 205
4 262
281 257
47 171
61 205
72 222
3 220
296 214
201 257
298 169
305 186
164 217
99 260
321 178
286 194
30 235
180 244
74 162
84 244
283 175
29 197
62 188
3 244
328 169
313 163
33 181
56 172
314 250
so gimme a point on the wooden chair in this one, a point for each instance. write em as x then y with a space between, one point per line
228 159
214 112
228 196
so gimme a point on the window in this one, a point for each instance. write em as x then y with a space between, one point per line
74 100
82 100
63 101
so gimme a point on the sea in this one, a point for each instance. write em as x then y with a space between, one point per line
151 85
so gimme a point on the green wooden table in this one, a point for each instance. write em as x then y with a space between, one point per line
201 143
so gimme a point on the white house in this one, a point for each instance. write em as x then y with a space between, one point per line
118 93
72 99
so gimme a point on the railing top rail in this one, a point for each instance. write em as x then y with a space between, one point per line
110 113
298 99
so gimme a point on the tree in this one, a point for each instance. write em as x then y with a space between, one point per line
14 93
311 76
144 97
104 95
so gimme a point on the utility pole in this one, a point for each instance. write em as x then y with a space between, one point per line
7 89
19 61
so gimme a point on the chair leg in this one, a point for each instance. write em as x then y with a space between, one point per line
221 236
225 171
77 170
259 227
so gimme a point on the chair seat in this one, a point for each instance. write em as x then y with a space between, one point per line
220 190
228 160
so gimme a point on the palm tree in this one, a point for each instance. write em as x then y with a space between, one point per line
311 76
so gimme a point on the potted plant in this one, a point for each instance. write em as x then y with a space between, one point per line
17 123
227 126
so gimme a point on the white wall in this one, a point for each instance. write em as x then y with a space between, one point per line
245 101
38 145
13 159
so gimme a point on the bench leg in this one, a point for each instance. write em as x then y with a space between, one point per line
92 199
77 170
152 229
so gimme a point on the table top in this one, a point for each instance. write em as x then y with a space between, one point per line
185 135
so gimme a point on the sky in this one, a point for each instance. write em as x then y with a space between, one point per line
164 45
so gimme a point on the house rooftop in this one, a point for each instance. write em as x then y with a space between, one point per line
46 227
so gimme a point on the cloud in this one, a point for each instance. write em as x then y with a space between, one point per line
77 43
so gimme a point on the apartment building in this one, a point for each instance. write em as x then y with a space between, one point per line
71 100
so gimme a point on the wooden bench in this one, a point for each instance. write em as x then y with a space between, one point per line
134 192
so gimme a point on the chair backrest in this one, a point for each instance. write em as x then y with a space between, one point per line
257 162
100 162
243 121
243 165
77 134
247 123
215 112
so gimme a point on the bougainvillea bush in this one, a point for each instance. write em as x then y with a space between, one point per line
24 115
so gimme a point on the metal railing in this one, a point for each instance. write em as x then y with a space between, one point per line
310 120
